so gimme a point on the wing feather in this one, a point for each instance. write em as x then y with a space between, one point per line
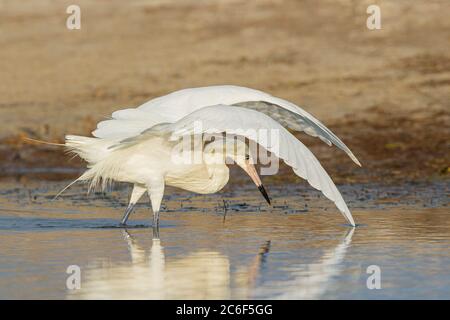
237 120
295 118
176 105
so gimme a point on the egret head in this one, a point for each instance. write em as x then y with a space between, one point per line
227 151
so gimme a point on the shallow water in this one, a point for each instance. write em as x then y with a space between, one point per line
227 245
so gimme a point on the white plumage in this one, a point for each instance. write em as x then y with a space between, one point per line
137 145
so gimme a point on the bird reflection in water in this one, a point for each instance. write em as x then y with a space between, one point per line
205 275
313 280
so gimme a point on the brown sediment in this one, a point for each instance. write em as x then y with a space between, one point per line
21 158
392 147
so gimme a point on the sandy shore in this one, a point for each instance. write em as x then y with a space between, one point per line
385 92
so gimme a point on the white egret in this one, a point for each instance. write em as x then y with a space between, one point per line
136 145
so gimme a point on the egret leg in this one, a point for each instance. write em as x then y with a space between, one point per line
136 194
156 191
155 225
156 219
127 214
155 228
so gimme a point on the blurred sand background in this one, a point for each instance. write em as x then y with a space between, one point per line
384 92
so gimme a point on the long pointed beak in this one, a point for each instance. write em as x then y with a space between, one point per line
264 193
251 171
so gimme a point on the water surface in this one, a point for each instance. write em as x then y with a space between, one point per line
226 246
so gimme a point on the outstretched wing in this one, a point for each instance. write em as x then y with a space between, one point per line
297 119
174 106
247 122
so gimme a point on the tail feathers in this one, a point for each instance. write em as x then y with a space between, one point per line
89 175
90 149
81 146
43 142
66 187
102 168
